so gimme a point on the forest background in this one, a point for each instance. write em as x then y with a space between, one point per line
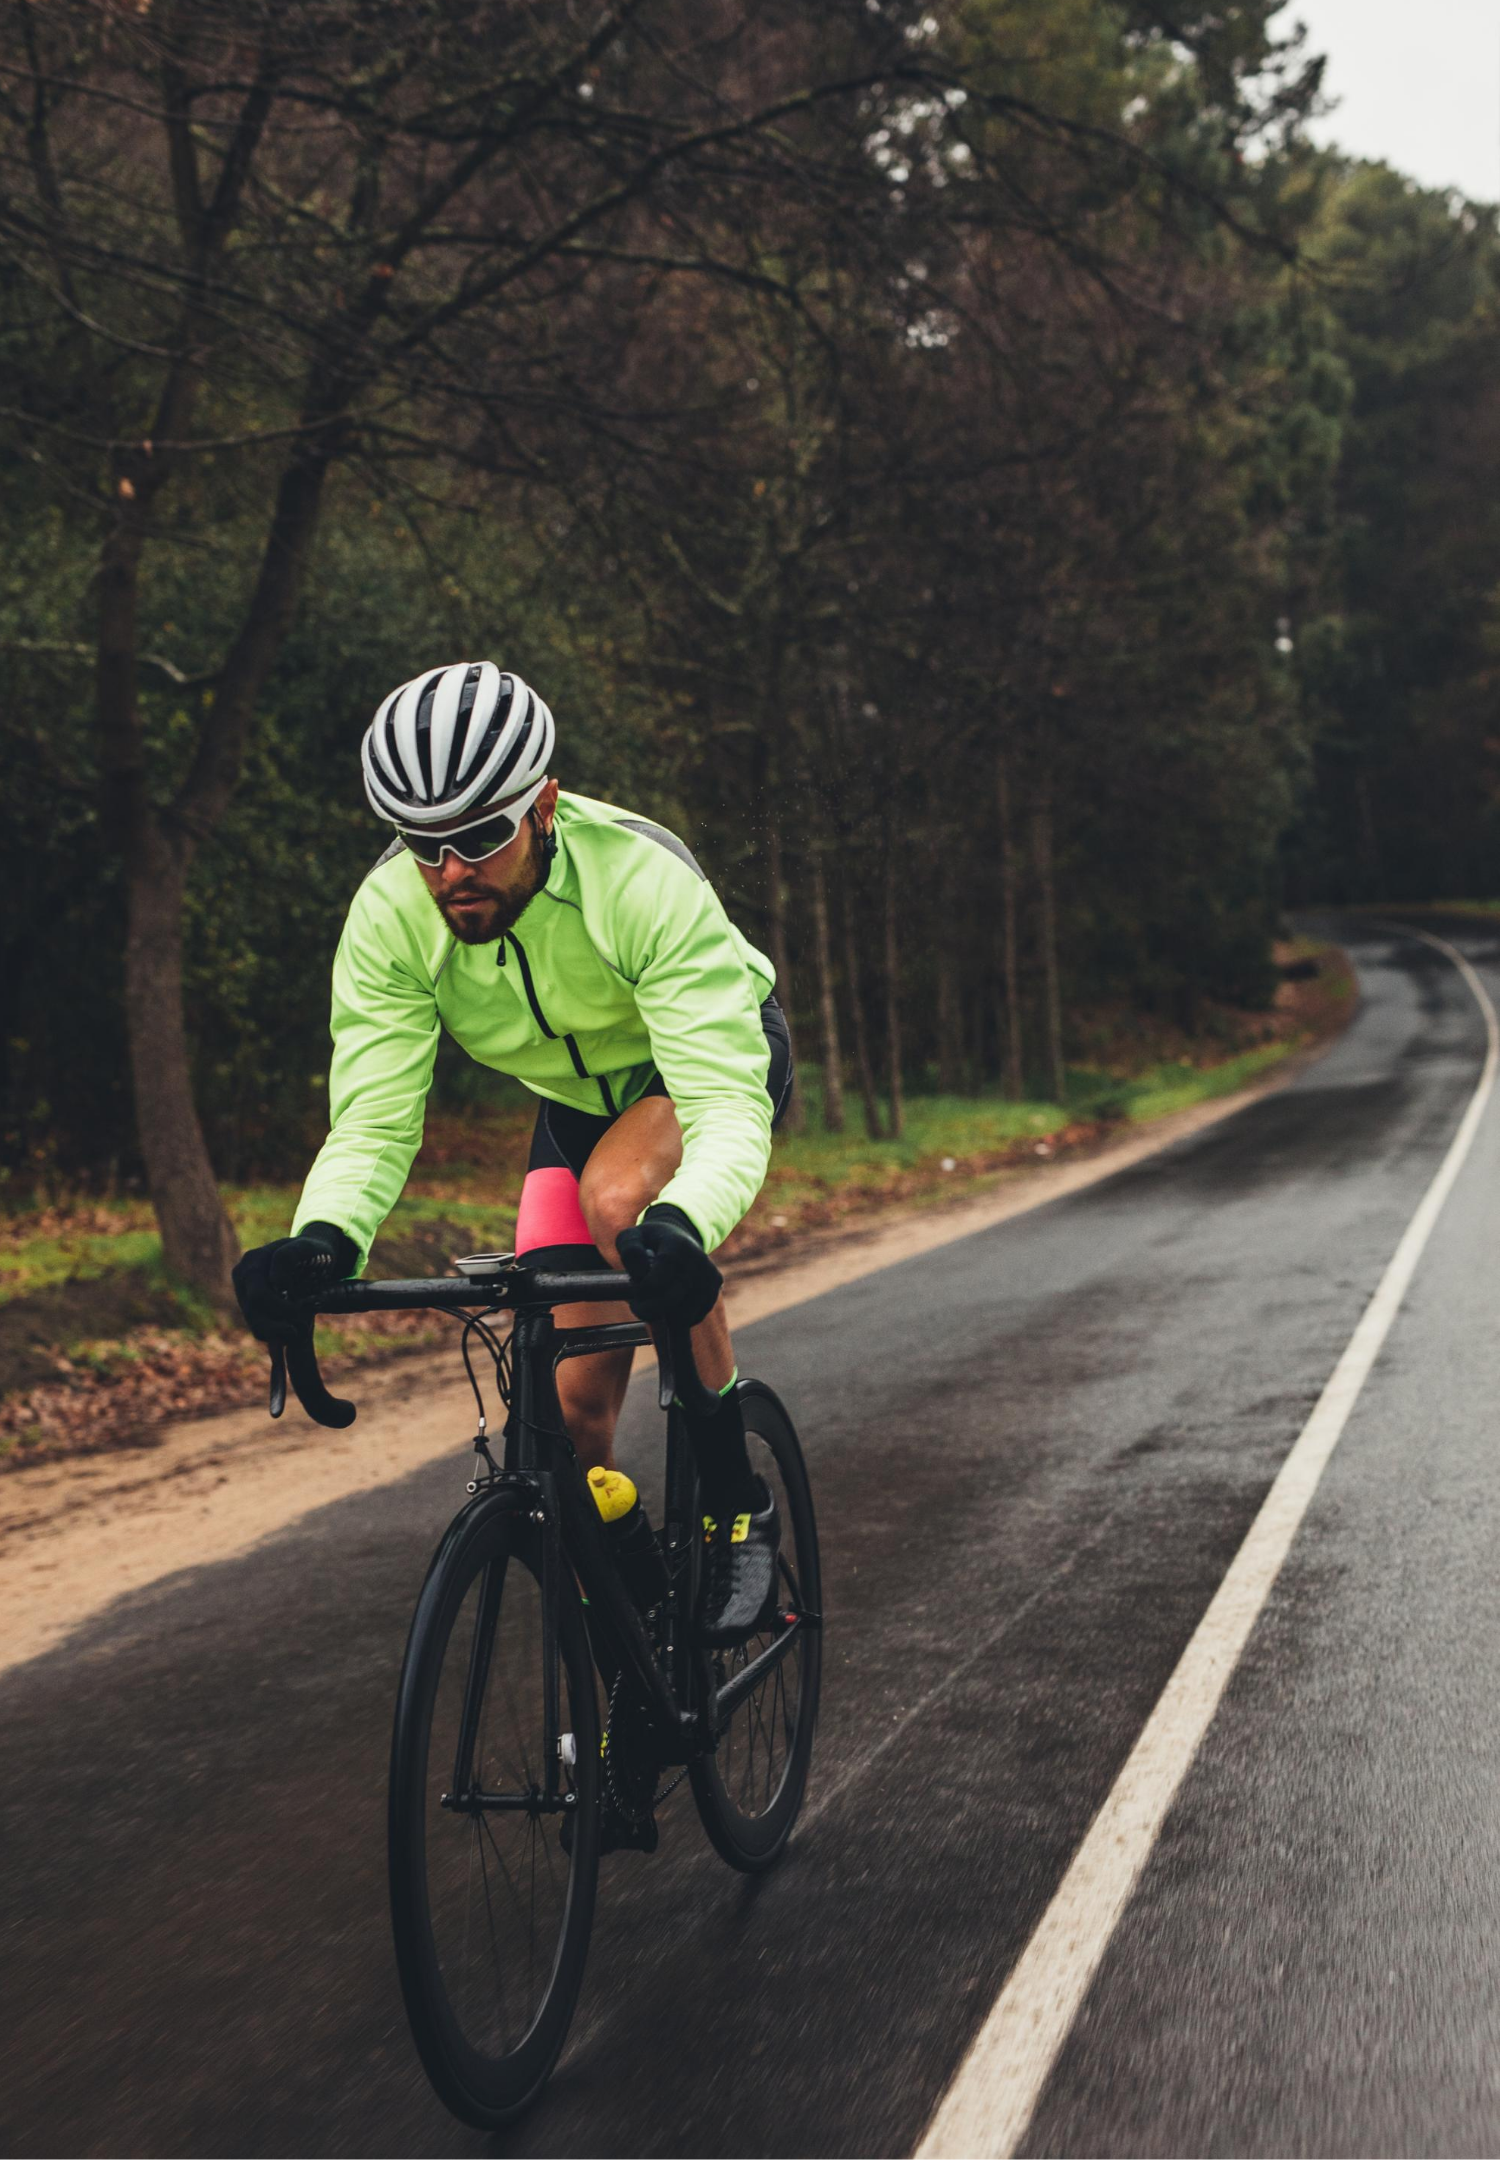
1023 515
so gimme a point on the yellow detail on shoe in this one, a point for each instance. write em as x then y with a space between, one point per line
737 1535
614 1495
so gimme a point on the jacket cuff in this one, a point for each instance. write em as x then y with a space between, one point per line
340 1244
665 1211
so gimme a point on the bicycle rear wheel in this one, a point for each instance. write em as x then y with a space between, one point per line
491 1915
750 1790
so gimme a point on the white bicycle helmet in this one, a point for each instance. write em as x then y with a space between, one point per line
455 741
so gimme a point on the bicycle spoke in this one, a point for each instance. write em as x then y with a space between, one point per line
519 1902
498 1885
490 1915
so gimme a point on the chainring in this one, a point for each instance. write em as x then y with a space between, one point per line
631 1762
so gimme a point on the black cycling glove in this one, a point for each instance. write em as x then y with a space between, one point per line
674 1278
270 1278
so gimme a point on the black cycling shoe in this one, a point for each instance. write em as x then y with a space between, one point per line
739 1576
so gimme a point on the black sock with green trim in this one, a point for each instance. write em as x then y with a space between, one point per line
718 1439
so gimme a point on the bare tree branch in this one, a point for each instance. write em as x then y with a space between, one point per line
39 149
75 649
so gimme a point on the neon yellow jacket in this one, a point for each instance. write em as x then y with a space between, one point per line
623 965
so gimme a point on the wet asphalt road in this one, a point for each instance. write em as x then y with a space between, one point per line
1035 1452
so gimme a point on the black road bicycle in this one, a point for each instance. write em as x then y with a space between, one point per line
504 1779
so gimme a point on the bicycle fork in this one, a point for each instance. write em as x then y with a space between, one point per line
532 1499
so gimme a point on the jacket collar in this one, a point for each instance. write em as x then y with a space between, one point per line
557 874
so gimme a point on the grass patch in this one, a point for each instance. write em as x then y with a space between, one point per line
45 1259
934 1125
1173 1087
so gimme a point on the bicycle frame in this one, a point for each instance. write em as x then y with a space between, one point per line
539 1456
542 1478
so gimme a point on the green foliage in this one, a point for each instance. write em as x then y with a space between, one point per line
269 890
1395 660
1013 453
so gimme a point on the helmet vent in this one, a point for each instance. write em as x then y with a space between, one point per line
455 740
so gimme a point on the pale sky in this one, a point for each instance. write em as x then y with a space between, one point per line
1418 83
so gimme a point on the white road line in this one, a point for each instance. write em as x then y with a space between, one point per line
989 2105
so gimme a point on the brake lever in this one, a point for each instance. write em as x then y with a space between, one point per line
678 1372
294 1363
661 1335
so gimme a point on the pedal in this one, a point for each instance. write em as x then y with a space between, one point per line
618 1835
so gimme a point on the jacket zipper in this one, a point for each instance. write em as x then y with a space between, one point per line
550 1032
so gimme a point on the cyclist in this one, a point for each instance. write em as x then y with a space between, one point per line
579 948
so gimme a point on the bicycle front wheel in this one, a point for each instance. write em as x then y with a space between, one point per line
750 1789
492 1883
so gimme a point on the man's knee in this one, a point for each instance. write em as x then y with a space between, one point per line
610 1205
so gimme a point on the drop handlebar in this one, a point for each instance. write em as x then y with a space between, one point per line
512 1289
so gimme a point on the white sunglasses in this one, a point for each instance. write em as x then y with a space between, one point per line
474 843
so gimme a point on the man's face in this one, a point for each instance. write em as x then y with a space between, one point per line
481 901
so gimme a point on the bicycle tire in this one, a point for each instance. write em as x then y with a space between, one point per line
752 1837
487 2060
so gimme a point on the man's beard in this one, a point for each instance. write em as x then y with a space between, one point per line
502 911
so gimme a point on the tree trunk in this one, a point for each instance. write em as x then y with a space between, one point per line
1041 838
950 1026
828 1011
892 996
224 736
796 1116
198 1241
873 1124
1015 1077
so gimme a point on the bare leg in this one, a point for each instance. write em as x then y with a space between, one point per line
626 1171
590 1390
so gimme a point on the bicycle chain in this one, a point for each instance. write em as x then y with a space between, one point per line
616 1798
634 1816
